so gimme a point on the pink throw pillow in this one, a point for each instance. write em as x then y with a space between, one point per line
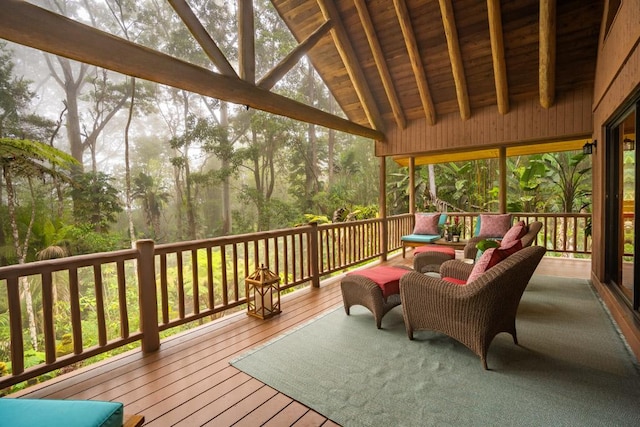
426 223
491 257
516 232
494 225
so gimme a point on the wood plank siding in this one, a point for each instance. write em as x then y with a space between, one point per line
569 118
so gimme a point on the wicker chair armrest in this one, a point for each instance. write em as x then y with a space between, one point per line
456 269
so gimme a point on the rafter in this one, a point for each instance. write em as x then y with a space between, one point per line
451 32
547 52
202 36
348 55
416 60
283 67
381 63
65 37
497 52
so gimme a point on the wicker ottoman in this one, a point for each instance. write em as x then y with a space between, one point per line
429 258
377 289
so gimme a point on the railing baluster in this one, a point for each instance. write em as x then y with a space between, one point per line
236 283
47 315
287 257
97 283
122 300
210 285
76 321
195 279
164 288
181 307
225 284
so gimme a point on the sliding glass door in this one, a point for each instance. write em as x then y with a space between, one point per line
622 229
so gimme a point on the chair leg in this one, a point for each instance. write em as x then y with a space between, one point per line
484 363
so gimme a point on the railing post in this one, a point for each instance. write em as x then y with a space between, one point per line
147 297
314 241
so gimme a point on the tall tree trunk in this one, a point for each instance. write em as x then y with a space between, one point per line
311 164
127 166
226 184
21 250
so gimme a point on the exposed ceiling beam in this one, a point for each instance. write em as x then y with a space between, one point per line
455 56
497 52
547 52
246 41
288 62
349 58
56 34
381 63
416 60
202 36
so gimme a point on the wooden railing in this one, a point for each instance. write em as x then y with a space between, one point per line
133 295
563 233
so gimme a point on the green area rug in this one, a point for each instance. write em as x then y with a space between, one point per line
571 368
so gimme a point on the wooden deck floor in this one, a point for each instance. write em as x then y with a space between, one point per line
189 381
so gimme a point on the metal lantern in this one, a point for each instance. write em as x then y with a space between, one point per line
263 293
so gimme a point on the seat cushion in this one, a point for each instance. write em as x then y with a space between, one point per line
454 280
60 413
426 223
433 248
387 278
420 238
491 257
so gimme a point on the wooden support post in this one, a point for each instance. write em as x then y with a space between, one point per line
412 185
503 180
314 242
382 197
147 298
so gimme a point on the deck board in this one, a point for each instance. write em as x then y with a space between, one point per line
189 380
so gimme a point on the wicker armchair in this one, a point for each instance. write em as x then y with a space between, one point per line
528 239
474 313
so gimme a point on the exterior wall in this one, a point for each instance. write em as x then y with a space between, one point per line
617 81
569 118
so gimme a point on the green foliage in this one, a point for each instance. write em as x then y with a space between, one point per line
84 239
95 199
485 244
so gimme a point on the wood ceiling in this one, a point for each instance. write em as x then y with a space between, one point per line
388 62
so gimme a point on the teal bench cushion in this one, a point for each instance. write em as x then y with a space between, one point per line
420 238
60 413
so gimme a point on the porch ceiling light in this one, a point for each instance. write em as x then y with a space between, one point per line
628 144
588 147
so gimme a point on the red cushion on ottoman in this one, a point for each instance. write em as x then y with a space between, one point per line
388 278
443 249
